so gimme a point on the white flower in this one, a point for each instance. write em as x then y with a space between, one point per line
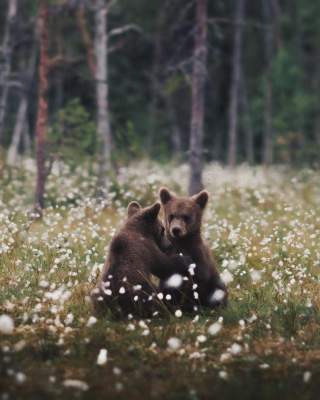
175 281
75 383
143 325
91 321
122 290
130 327
242 323
43 284
201 338
20 377
235 349
117 371
178 313
102 357
252 318
191 269
225 357
214 328
69 319
226 276
174 343
217 296
255 275
223 375
6 324
307 376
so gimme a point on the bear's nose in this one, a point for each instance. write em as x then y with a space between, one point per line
176 232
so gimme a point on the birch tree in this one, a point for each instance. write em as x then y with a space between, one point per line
198 84
21 124
102 90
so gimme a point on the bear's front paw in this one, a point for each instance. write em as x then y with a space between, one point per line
182 264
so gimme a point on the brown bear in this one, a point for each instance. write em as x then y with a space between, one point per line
136 253
183 217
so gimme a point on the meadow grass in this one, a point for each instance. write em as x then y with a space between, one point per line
264 230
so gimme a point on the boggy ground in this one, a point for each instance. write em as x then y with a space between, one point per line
264 228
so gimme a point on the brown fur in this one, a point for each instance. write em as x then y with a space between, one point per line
183 217
135 253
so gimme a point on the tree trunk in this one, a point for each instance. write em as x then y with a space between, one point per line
102 89
83 28
155 77
247 124
17 131
5 69
26 140
316 88
276 21
198 82
21 124
268 129
235 83
42 116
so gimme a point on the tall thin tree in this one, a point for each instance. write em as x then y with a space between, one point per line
102 90
42 116
235 83
21 123
246 120
5 68
199 73
268 128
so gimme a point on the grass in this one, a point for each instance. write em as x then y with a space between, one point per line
264 229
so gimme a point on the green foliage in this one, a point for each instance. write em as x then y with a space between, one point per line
150 67
129 143
72 135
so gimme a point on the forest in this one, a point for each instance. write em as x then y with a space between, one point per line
111 110
114 81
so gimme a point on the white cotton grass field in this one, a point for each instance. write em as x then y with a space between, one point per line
264 229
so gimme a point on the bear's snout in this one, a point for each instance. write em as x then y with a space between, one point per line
177 229
176 232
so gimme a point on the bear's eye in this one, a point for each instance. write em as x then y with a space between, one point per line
186 218
162 231
171 216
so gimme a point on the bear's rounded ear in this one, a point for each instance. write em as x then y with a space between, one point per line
152 212
165 195
201 198
133 208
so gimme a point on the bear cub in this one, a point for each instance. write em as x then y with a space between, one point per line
183 217
136 253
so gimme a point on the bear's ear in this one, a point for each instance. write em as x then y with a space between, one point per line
201 198
151 213
133 208
165 195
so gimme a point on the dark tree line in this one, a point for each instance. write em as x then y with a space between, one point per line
112 80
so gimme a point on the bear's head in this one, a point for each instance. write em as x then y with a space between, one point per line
146 221
182 215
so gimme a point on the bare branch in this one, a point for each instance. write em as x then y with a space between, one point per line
124 29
